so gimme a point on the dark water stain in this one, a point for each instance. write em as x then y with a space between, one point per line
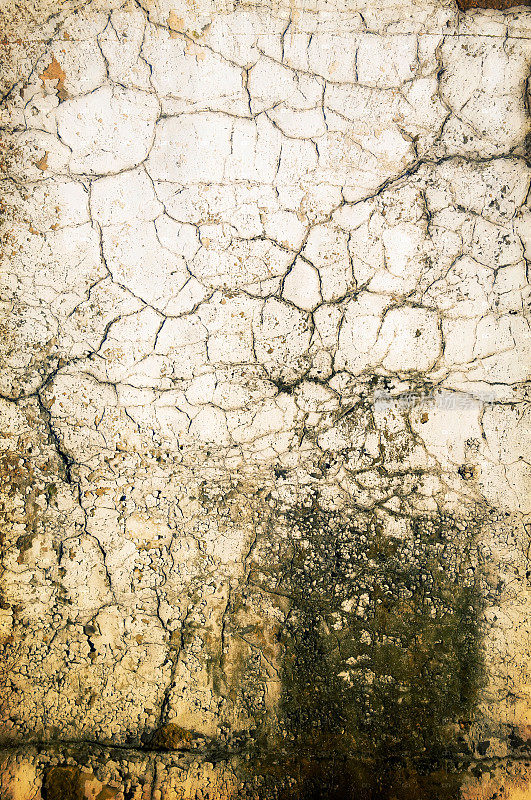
381 657
500 5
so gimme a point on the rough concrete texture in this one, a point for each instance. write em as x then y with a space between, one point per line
263 419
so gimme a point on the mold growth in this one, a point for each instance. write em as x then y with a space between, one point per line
381 661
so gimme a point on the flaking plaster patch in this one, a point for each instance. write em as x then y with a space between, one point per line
264 425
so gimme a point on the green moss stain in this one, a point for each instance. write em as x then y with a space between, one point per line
381 654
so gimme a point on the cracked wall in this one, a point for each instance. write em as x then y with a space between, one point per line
264 404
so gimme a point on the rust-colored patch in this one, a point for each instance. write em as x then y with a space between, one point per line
54 72
498 786
175 24
171 737
72 783
61 783
42 163
500 5
107 793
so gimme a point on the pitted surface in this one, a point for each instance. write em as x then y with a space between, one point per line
264 406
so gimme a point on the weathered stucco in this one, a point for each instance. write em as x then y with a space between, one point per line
264 419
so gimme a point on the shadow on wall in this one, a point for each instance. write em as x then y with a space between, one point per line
381 657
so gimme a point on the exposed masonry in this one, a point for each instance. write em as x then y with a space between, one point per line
264 408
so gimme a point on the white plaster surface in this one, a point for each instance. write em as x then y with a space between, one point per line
234 240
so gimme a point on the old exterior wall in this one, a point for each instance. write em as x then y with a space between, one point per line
264 422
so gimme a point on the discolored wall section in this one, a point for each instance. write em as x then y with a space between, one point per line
264 413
